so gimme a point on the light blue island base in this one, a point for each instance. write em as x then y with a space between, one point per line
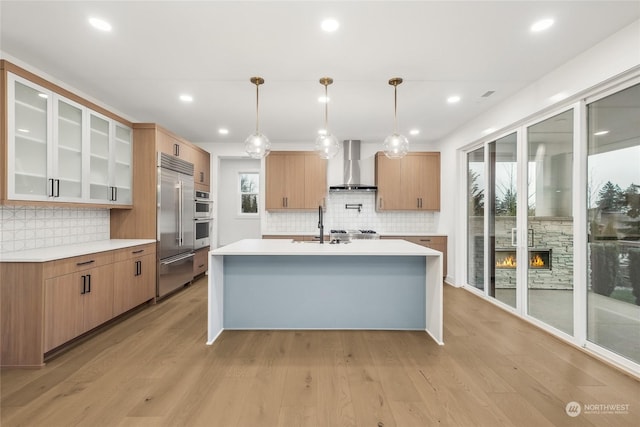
324 292
367 284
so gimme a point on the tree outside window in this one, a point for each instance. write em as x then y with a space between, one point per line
249 190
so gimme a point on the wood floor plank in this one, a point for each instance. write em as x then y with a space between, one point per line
154 369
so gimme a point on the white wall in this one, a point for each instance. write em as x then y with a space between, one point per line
609 59
231 226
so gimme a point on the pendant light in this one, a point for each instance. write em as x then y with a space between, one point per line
257 145
327 145
396 146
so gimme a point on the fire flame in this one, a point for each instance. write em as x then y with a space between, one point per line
510 262
536 261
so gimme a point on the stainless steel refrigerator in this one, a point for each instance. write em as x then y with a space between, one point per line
175 223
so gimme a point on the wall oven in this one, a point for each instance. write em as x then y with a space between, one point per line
203 207
202 228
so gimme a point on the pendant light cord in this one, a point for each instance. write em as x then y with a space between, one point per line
326 111
257 105
395 108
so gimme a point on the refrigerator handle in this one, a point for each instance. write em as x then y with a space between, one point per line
180 236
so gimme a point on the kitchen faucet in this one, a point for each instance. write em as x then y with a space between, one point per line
320 224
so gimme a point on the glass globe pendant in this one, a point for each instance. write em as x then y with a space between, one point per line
327 145
396 145
257 145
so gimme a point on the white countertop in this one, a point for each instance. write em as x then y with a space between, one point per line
387 247
68 251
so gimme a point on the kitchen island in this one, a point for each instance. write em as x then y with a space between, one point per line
365 284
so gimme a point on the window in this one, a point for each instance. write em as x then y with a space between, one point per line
249 186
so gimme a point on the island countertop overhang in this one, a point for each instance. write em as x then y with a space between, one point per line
387 247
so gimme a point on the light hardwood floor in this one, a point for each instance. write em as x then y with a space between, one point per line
154 369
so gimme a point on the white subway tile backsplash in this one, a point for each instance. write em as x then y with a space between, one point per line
337 216
25 227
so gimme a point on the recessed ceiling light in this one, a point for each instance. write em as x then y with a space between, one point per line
541 25
487 131
23 130
186 98
453 99
601 132
324 99
223 131
100 24
414 132
329 25
43 95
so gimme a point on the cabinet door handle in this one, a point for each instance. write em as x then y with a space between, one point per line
51 190
139 251
57 188
115 193
85 262
89 283
84 285
176 150
201 176
201 265
138 268
425 240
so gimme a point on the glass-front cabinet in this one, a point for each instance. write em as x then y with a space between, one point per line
62 151
30 132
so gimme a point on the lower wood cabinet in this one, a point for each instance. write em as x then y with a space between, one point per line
76 303
200 261
46 304
134 278
439 243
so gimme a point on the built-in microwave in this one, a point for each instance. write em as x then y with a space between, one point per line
201 230
203 205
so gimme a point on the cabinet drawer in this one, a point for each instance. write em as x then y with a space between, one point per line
429 241
200 261
134 252
79 263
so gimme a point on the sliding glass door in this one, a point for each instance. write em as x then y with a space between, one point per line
550 221
613 192
475 218
503 204
557 195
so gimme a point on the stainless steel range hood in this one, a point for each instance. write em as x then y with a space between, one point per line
352 169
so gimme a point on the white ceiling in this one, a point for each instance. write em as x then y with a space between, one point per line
209 49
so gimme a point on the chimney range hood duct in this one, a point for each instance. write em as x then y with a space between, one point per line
352 169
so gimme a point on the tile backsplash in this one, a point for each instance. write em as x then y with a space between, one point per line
338 217
28 227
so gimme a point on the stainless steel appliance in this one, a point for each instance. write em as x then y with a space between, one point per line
201 229
352 169
175 224
203 205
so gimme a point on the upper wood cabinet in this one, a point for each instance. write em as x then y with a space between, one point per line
58 150
295 180
150 139
410 183
170 144
202 168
